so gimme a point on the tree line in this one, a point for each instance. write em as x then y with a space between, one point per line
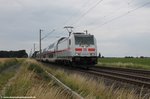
12 54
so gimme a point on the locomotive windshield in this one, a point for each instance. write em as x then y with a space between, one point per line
81 40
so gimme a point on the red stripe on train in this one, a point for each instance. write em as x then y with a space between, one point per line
78 49
91 49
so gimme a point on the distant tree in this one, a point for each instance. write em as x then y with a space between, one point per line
103 57
129 57
10 54
142 57
21 54
99 55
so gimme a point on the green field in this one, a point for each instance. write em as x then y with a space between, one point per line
137 63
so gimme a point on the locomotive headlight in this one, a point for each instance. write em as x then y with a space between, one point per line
77 54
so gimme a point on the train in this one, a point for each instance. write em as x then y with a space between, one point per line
78 49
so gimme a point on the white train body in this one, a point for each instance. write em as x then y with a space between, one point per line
78 48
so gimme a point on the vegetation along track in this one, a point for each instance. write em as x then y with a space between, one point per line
132 76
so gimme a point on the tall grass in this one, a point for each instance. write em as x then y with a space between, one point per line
5 71
136 63
21 84
31 82
48 91
3 59
93 89
4 77
6 63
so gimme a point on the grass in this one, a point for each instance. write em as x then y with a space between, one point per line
4 77
3 59
7 71
94 89
136 63
90 88
20 85
6 63
31 81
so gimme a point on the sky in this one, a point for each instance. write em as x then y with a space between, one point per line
121 27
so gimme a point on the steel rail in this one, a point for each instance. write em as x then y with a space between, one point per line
124 74
132 76
137 71
121 78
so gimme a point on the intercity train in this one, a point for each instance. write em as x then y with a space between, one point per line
79 49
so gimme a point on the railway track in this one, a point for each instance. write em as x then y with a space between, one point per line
132 79
125 70
132 76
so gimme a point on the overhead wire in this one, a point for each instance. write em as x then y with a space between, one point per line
123 15
107 22
114 12
47 34
82 15
64 24
71 17
129 2
91 8
80 10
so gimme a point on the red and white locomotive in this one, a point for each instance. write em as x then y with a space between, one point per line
77 49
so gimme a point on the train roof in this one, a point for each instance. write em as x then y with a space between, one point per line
61 39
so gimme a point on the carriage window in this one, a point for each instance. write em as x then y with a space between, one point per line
50 55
